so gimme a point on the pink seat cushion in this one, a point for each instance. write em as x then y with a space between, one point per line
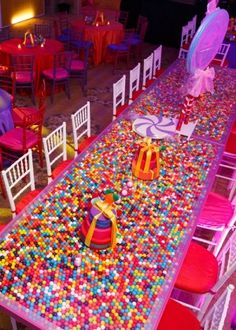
178 317
120 109
25 200
60 74
216 212
19 113
231 143
60 167
199 271
23 77
13 139
77 65
86 142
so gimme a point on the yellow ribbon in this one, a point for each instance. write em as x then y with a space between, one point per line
147 147
106 209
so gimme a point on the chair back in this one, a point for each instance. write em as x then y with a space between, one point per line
215 317
123 17
156 60
7 82
44 30
194 25
81 124
147 69
134 81
18 178
184 35
55 148
222 54
119 93
61 63
64 23
23 66
4 33
140 21
227 266
143 30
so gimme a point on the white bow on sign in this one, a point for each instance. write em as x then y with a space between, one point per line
201 81
211 6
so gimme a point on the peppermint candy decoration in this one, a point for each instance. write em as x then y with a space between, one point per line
154 127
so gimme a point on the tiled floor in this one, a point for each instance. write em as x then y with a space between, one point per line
100 80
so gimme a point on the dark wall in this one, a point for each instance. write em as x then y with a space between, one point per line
166 17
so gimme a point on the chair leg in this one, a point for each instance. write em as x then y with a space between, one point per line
14 324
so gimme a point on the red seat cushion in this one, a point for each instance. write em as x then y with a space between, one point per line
120 109
231 143
60 167
218 61
26 199
178 317
159 72
149 82
216 212
136 94
199 271
186 45
86 142
19 113
13 139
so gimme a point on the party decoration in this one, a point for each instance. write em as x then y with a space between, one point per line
202 51
100 19
99 229
28 39
155 127
146 164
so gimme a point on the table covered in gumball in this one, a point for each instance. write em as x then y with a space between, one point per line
43 53
52 280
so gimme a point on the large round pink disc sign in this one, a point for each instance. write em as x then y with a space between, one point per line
207 40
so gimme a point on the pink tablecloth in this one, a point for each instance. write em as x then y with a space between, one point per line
43 55
101 36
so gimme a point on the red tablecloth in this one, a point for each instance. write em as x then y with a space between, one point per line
101 36
43 55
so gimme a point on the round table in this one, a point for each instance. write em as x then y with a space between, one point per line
101 36
43 55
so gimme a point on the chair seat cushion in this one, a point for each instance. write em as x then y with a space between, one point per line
217 61
25 200
136 94
86 142
77 65
120 109
19 113
199 271
231 142
216 212
178 317
186 45
159 72
149 83
60 74
23 77
118 47
60 167
13 139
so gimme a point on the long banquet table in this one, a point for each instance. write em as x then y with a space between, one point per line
126 288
